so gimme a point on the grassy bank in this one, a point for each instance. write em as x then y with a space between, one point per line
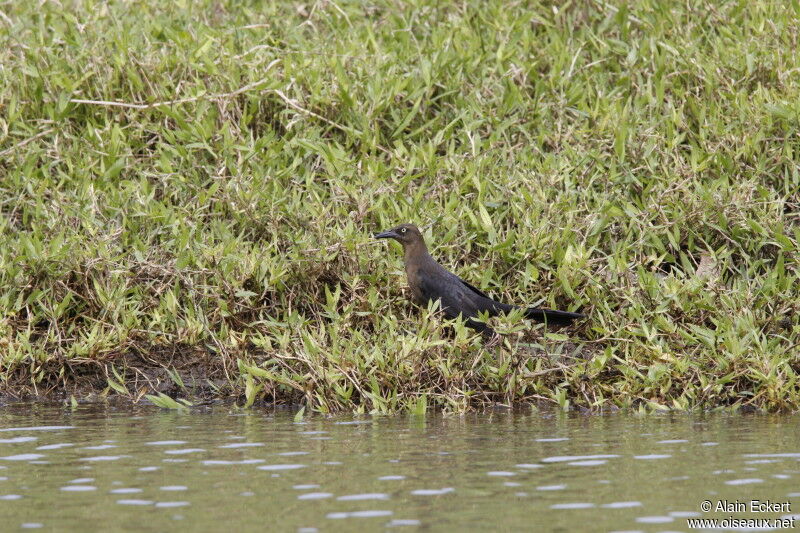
187 193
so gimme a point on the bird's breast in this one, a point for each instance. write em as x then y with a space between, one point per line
414 283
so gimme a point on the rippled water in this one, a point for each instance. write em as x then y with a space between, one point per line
224 469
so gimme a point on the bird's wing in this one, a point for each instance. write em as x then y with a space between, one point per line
454 296
474 289
482 301
457 296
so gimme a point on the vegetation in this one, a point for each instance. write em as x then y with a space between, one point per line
188 191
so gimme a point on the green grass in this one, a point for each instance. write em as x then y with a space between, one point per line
580 155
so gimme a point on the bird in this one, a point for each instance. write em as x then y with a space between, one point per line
430 282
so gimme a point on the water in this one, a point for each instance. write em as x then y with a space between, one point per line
223 469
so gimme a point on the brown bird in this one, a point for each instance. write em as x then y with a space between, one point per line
430 281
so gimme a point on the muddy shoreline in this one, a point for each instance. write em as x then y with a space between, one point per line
177 371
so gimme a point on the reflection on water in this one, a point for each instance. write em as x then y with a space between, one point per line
151 470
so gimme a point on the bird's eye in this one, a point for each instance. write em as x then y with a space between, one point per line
403 230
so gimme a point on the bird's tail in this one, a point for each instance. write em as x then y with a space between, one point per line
552 316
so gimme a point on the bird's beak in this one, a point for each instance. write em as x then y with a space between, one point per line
386 235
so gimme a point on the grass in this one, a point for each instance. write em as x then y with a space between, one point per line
188 189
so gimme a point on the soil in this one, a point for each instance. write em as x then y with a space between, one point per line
204 375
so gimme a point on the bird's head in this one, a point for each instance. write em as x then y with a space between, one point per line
405 234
